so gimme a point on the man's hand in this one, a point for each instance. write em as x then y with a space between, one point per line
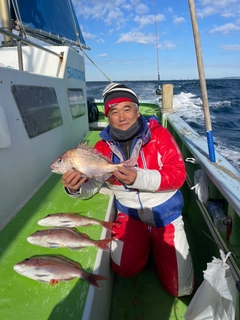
126 175
73 180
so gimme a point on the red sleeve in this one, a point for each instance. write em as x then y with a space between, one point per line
172 169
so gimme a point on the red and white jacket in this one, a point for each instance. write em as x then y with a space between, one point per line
154 197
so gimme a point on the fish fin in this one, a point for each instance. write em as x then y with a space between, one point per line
74 263
108 225
102 244
53 282
76 170
129 163
67 224
77 265
76 248
85 235
40 276
86 147
93 278
53 245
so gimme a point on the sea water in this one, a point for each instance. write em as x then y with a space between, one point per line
223 101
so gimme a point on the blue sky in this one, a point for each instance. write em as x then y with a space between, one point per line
122 38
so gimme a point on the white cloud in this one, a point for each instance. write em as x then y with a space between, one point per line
225 29
230 47
100 40
206 12
142 9
97 9
178 20
170 10
103 55
167 45
222 3
87 35
115 16
225 8
136 37
149 19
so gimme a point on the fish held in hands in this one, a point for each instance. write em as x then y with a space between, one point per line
89 162
73 220
66 238
54 269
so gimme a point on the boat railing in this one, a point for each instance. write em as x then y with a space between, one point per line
21 40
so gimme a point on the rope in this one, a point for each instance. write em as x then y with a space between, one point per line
19 19
96 65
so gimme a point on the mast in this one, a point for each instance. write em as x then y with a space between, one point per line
202 81
6 20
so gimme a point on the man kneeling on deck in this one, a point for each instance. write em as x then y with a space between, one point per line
148 200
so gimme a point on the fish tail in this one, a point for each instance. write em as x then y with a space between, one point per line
129 163
93 278
108 225
102 244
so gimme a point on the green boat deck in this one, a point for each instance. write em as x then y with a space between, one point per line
24 298
29 299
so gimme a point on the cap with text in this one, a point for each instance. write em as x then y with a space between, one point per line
115 93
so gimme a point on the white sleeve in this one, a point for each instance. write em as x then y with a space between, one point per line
146 180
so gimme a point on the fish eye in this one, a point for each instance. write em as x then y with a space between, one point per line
59 159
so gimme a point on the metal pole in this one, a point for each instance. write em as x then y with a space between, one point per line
20 58
6 20
202 81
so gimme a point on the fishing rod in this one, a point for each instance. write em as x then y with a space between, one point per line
202 81
159 90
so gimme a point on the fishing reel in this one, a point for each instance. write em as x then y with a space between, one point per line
158 92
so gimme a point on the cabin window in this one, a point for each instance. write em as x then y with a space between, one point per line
38 107
77 102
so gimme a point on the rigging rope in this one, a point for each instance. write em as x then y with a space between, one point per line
96 65
159 90
19 19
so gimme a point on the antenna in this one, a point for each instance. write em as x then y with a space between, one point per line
159 90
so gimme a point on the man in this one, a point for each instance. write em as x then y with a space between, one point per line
148 199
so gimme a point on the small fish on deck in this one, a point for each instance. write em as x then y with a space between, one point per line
89 162
66 238
73 220
54 269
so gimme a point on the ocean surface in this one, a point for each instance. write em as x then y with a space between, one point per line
223 101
